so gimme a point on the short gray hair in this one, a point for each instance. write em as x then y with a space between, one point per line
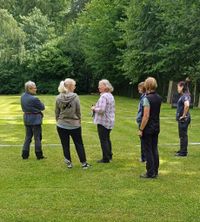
28 85
107 84
64 85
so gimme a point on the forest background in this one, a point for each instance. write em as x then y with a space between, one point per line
121 40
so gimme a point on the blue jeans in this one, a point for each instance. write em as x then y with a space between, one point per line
36 132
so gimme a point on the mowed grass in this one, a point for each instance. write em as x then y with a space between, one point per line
46 191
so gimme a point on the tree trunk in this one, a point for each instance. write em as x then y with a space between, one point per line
169 95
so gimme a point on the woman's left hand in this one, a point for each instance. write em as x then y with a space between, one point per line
140 133
182 117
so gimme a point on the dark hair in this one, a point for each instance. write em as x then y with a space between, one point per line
185 85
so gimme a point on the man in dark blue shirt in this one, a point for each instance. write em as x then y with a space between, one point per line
32 108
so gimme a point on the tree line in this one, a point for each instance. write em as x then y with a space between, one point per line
121 40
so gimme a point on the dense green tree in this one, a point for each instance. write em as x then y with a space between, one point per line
144 36
71 47
12 53
162 40
56 11
99 34
182 52
122 40
38 29
12 38
75 8
47 67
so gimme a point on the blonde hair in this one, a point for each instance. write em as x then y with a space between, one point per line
150 84
65 85
108 85
141 85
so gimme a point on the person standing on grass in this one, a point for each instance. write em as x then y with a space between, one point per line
141 90
32 108
150 128
104 117
183 117
68 118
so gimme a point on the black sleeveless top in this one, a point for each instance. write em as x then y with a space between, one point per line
153 125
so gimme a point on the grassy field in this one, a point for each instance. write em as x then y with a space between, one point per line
46 191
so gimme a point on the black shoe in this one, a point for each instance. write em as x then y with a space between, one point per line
41 157
177 151
181 154
25 158
25 154
146 176
103 161
142 160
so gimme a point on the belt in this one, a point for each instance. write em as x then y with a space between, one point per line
33 113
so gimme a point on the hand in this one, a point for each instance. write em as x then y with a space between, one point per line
140 133
182 117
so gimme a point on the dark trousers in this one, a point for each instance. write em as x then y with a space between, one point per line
183 135
36 131
151 153
143 157
106 146
76 135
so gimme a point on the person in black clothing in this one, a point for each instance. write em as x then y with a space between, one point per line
183 117
150 128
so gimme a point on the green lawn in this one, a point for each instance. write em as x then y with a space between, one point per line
46 191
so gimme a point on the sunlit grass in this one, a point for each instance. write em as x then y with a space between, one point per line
40 191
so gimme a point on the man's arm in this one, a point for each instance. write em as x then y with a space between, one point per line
38 104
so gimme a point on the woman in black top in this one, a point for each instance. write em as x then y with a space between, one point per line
150 128
183 117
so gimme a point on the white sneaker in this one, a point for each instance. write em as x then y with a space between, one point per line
85 165
69 163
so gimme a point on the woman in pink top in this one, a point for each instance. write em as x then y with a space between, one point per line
104 117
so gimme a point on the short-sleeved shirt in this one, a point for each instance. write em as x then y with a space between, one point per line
140 110
146 102
180 105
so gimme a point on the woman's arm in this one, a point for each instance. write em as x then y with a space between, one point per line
186 109
145 120
100 107
78 107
